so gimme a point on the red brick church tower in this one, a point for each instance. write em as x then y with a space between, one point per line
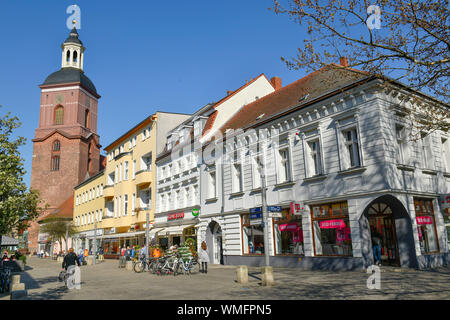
66 147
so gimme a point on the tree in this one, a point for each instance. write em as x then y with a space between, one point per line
18 205
57 229
407 41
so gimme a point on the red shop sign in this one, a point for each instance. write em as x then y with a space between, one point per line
288 227
174 216
331 224
424 220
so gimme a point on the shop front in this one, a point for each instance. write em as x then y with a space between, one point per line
112 243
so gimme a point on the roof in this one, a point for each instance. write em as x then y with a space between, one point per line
314 85
211 118
64 211
71 75
8 241
73 37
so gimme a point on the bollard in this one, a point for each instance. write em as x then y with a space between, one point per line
242 274
267 276
129 266
60 259
15 295
90 261
15 278
17 287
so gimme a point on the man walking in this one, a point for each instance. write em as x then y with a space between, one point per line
70 259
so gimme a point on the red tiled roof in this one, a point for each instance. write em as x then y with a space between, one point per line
320 82
209 123
64 211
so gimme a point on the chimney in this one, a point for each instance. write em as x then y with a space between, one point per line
343 61
229 92
276 83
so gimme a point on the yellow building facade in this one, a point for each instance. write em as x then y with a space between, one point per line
126 189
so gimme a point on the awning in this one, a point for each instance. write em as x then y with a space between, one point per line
8 241
121 235
154 231
175 230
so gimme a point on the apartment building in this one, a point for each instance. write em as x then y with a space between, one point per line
334 153
178 183
124 191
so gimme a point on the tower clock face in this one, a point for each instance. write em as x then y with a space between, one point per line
59 98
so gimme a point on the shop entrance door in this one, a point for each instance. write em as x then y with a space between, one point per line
382 220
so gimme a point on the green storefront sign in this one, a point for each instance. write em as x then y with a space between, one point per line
195 212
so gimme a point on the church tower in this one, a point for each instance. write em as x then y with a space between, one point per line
66 147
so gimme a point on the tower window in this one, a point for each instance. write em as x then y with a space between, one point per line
75 56
86 119
59 115
56 146
68 56
55 163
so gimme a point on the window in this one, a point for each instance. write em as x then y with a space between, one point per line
130 144
133 203
101 189
252 234
56 146
284 172
115 207
116 175
59 115
122 149
256 174
212 184
402 147
161 203
237 177
313 158
86 119
125 204
288 233
331 230
119 208
100 215
134 169
134 142
98 191
426 225
427 152
146 199
125 168
55 163
445 157
186 197
195 197
120 172
351 151
178 199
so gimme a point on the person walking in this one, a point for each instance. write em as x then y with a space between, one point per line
376 246
203 257
70 260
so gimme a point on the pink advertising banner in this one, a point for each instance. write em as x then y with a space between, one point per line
288 227
424 220
331 224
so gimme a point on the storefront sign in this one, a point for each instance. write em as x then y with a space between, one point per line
343 234
297 236
256 216
255 210
445 201
255 222
275 214
174 216
274 208
331 224
288 227
297 208
424 220
195 212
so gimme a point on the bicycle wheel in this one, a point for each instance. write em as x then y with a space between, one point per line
194 267
139 267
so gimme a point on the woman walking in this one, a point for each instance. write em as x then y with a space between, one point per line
203 257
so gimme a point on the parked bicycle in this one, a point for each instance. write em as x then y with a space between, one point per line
190 266
5 275
144 264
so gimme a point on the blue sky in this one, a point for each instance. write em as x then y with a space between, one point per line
142 56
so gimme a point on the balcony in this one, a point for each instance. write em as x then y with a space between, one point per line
143 178
108 192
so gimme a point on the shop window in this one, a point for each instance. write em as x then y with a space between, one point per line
426 226
288 234
252 236
331 230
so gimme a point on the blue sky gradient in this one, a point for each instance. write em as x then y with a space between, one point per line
142 56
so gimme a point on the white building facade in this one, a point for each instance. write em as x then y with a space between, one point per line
343 156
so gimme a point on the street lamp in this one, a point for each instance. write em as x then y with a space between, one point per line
264 211
147 235
95 240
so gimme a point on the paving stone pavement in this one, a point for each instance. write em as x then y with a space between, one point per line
105 281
